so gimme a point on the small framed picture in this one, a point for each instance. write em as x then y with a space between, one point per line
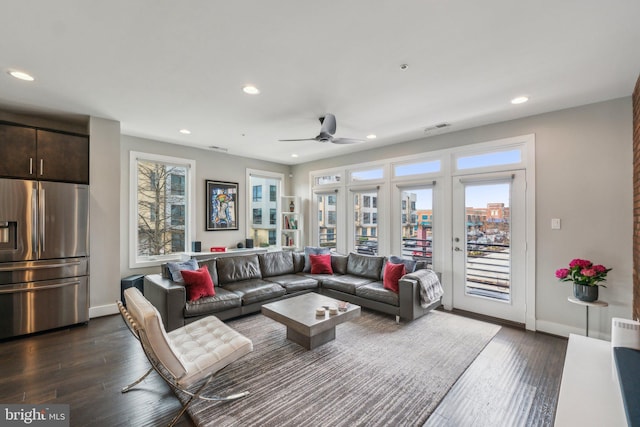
222 205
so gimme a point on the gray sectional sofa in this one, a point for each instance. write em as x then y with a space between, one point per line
244 282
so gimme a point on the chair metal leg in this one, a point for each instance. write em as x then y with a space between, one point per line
138 381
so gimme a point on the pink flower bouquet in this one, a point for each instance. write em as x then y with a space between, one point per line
583 272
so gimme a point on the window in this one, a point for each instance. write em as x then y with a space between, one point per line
418 168
367 175
496 158
177 242
177 184
161 215
177 214
257 193
257 216
417 235
327 179
327 219
331 220
364 238
263 230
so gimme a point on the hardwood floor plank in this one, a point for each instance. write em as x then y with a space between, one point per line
514 381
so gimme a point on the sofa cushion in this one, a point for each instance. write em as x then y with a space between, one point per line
320 264
310 250
368 266
176 267
256 290
295 282
198 283
375 291
346 283
298 262
223 300
339 263
409 264
238 268
276 263
210 263
392 274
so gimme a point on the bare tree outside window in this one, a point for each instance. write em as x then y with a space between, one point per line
161 208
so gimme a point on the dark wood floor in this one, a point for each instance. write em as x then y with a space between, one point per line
514 381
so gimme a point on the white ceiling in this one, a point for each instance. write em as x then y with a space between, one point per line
158 66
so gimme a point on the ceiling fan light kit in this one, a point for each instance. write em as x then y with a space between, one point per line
327 129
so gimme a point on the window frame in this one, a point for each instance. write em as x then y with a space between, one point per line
136 261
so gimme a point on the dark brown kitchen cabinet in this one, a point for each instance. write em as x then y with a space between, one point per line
43 154
62 157
17 151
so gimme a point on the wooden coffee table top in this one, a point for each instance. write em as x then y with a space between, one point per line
299 313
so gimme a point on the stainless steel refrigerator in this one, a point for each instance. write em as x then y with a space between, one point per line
44 255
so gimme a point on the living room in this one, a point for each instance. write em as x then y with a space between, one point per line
583 152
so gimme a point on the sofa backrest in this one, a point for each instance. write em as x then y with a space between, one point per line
276 263
368 266
339 263
235 268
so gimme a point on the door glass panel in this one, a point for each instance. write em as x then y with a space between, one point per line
417 224
365 207
488 240
327 220
265 193
490 159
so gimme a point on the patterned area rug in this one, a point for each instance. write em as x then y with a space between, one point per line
375 373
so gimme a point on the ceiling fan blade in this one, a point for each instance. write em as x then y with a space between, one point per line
346 140
305 139
328 124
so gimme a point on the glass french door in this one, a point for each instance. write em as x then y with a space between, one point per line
489 244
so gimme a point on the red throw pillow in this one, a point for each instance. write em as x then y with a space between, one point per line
198 283
320 264
391 276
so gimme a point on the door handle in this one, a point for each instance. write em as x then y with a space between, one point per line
457 249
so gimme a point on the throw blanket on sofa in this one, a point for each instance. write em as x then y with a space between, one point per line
430 286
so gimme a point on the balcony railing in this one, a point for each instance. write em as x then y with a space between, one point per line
488 269
418 250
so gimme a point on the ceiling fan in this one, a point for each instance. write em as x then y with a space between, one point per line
327 129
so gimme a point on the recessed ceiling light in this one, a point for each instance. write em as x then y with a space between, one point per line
520 100
21 75
294 155
251 90
404 67
185 131
371 136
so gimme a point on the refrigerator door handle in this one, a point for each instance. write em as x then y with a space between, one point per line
38 288
34 220
42 220
38 267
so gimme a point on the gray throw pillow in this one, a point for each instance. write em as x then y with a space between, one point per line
175 267
409 264
310 250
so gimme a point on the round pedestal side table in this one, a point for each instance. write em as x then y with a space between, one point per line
597 303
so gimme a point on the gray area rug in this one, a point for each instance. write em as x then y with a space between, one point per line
375 373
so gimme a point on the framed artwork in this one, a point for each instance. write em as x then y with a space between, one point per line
222 205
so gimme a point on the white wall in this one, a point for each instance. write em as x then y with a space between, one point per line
104 218
209 165
583 177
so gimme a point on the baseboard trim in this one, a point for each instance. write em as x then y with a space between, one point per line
103 310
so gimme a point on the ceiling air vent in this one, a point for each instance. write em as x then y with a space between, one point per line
216 148
439 126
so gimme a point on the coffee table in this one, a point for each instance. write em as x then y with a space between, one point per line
298 314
